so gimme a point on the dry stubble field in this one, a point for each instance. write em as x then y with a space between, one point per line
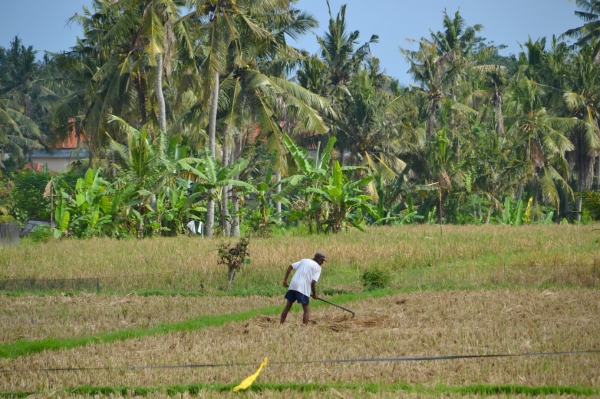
406 324
413 324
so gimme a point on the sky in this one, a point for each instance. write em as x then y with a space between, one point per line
43 23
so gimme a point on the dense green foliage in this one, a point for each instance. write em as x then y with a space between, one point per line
207 116
28 196
40 234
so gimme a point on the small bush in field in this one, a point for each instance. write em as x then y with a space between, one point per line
40 233
234 256
375 278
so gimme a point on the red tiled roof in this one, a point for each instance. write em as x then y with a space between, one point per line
38 167
71 140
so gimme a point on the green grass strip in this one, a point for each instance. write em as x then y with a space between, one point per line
367 387
24 347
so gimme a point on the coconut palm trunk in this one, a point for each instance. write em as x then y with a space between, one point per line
498 112
521 187
140 87
585 172
160 97
597 172
278 190
432 119
212 129
225 221
235 197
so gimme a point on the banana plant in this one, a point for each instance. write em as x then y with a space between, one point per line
62 217
266 194
172 209
512 214
314 173
343 196
86 210
385 189
210 175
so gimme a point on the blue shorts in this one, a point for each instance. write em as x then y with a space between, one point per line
292 296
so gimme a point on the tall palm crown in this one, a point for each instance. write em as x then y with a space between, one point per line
590 31
20 99
433 73
337 48
456 35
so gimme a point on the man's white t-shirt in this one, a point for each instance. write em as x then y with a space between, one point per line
307 270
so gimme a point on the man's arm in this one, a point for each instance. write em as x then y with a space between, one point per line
287 274
313 289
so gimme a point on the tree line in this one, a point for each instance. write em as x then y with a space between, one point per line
202 110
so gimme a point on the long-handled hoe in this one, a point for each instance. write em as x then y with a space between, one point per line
338 306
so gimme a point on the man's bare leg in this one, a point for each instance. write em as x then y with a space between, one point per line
305 315
286 309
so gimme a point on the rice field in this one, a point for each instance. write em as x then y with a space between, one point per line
58 316
395 248
471 291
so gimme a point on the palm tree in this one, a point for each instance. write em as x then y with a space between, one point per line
337 48
582 103
540 138
589 32
435 74
456 35
18 133
342 60
21 97
256 89
495 82
105 76
461 40
367 123
125 43
222 21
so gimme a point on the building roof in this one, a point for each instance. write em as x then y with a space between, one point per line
71 140
38 167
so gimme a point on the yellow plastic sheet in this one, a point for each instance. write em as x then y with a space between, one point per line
248 381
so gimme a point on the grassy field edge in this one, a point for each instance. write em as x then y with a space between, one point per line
479 389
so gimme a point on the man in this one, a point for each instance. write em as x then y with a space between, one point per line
303 284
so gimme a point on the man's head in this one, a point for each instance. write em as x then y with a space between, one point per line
319 258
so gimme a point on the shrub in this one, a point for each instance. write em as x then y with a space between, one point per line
28 196
234 256
6 219
40 233
375 278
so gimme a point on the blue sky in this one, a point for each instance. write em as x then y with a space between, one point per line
42 23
